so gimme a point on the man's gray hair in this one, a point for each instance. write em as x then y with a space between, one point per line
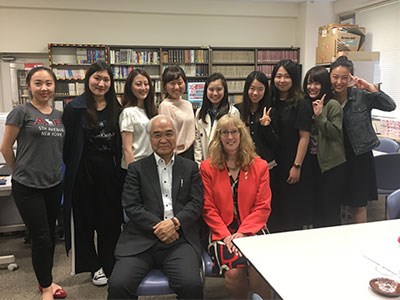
160 117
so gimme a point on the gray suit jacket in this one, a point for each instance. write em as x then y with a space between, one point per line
143 204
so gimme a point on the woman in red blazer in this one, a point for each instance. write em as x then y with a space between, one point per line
237 201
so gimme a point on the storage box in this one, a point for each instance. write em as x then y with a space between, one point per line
334 38
361 55
352 55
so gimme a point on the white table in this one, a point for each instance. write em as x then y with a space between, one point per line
327 263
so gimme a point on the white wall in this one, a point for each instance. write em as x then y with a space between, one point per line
349 6
312 15
27 26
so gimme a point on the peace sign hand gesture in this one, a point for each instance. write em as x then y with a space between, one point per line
265 120
362 84
318 105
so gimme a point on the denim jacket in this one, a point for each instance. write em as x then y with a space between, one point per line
357 117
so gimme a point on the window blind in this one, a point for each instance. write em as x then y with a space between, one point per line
383 22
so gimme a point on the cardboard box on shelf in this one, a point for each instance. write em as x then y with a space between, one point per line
361 55
334 38
321 57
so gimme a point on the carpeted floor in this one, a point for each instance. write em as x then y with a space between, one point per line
21 283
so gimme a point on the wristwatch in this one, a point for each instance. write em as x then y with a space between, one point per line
176 223
297 166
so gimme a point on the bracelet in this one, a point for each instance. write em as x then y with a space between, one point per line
297 166
176 224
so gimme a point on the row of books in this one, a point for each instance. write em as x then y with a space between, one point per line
193 70
89 55
185 56
122 72
266 69
69 74
119 86
273 56
69 89
234 71
224 56
235 86
132 56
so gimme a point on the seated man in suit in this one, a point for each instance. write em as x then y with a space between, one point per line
163 199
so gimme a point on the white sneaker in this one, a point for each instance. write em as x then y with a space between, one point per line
99 278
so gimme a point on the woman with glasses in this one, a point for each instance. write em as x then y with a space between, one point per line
93 177
237 200
215 105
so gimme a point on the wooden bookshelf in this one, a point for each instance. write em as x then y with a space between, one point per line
69 63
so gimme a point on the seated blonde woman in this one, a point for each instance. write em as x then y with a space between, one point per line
237 199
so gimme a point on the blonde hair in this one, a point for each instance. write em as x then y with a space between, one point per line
246 152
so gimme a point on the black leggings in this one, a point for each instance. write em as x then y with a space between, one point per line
39 209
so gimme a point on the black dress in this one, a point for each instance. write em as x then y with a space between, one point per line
292 203
360 176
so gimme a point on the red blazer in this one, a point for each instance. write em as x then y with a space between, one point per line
254 198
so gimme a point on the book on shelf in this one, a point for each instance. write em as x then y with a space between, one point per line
234 71
235 86
71 88
132 56
89 55
79 88
273 56
233 56
185 56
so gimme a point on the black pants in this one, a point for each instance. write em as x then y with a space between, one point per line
96 207
39 209
179 263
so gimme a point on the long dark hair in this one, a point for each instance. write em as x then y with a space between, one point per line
129 99
264 102
223 106
111 98
319 74
293 70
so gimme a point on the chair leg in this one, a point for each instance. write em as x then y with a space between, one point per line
386 213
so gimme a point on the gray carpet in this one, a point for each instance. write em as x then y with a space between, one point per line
21 283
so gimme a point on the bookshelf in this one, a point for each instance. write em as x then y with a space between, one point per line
69 63
23 92
123 59
268 57
237 63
